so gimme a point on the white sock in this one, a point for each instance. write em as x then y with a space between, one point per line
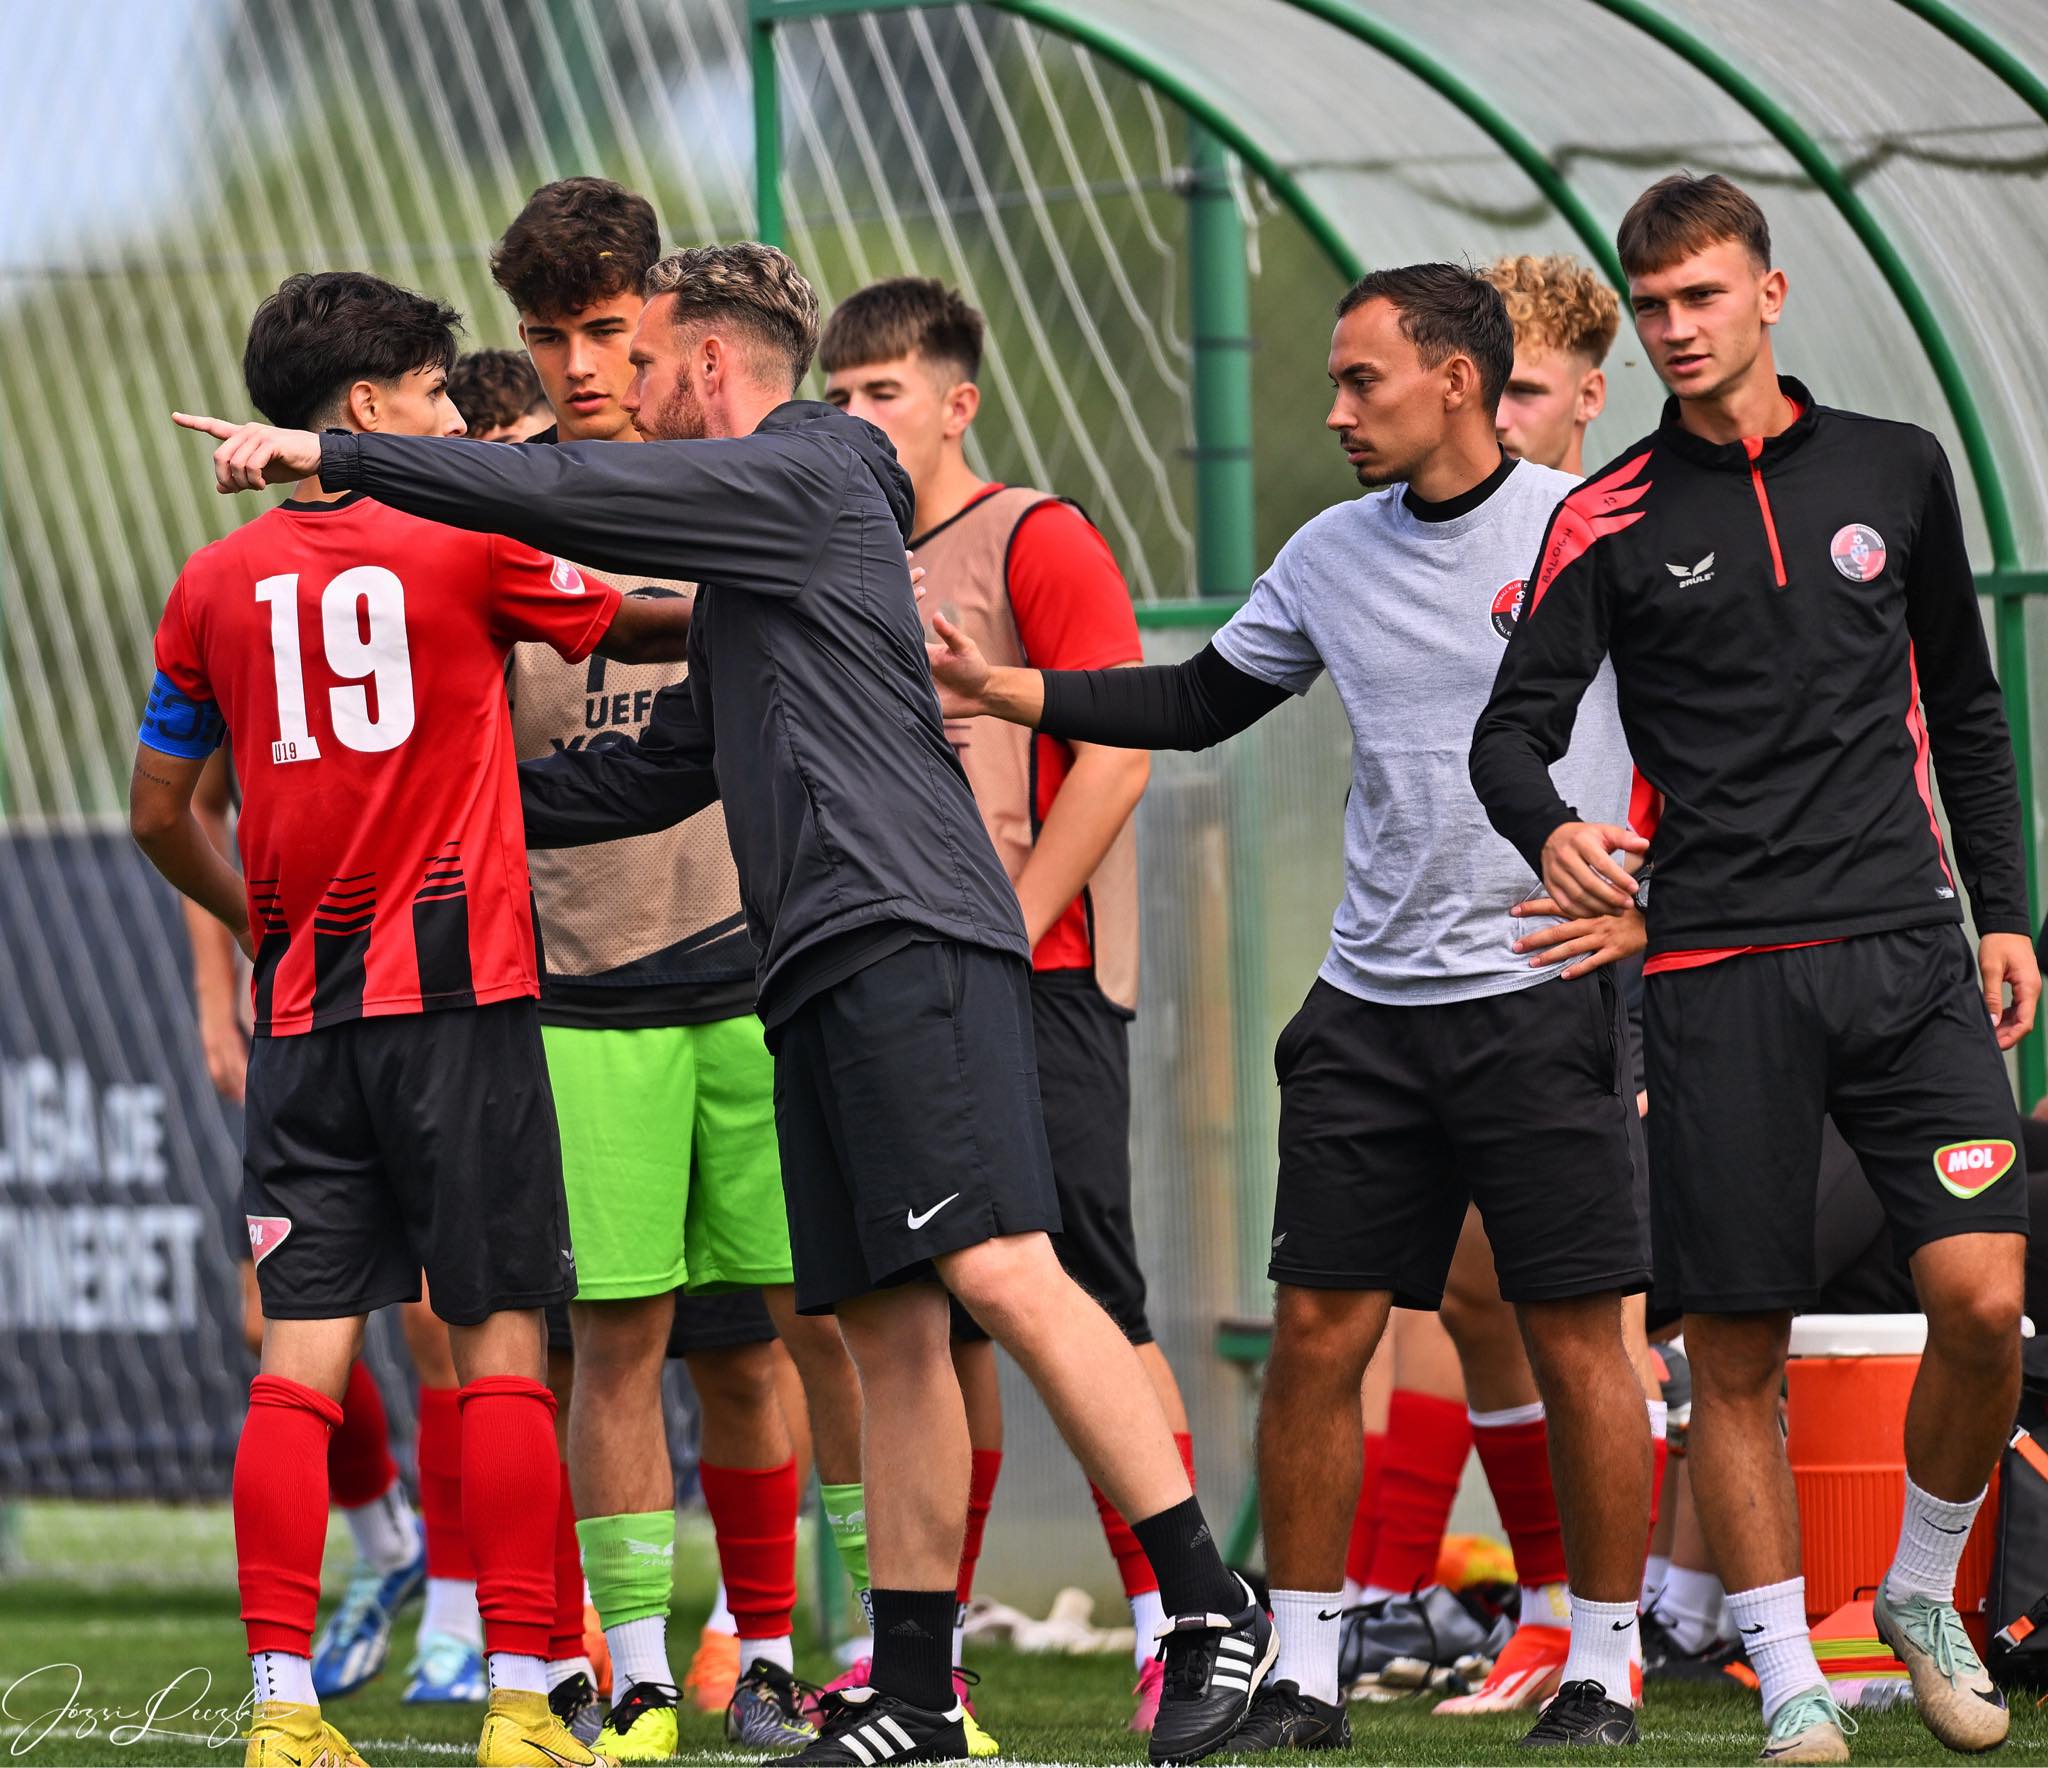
720 1619
1306 1621
1545 1605
776 1651
1354 1592
640 1653
451 1609
1507 1417
1602 1636
1655 1570
283 1675
1931 1539
559 1670
385 1530
1690 1606
1771 1622
1147 1612
959 1633
526 1675
1660 1420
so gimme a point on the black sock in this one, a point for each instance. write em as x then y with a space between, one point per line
914 1646
1192 1576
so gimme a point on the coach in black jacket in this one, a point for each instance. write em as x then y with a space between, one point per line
894 968
1794 626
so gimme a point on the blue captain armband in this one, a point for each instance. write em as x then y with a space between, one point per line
174 723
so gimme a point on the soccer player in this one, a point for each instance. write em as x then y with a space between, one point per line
894 977
1785 595
1565 317
398 1107
1431 1064
1029 576
499 396
664 1091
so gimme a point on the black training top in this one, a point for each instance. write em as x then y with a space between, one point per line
809 696
1779 610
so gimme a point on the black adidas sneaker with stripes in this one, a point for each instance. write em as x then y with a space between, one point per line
1214 1664
863 1727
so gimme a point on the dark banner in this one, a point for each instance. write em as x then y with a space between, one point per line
122 1371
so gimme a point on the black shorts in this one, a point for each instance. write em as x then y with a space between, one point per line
1392 1119
906 1105
1084 1083
383 1146
721 1321
1887 1032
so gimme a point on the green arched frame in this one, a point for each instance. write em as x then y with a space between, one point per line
2008 584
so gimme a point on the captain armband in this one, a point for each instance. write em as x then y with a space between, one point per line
174 723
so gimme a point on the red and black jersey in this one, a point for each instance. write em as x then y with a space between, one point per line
357 655
1795 629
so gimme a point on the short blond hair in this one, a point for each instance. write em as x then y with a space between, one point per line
1557 303
751 286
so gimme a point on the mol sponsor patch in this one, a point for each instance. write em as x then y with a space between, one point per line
1965 1168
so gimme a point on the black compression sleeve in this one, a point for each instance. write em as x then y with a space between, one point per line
1161 706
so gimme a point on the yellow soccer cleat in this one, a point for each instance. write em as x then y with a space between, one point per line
979 1744
521 1731
642 1726
290 1734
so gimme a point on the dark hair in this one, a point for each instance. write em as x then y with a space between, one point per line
904 316
494 388
577 242
1680 215
322 332
754 288
1446 310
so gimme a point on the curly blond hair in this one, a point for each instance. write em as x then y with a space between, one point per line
1557 303
753 287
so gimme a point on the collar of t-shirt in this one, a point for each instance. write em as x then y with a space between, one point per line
1451 508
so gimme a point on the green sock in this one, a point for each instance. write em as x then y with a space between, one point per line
846 1509
630 1562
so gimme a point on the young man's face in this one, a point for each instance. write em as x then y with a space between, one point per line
416 404
661 400
1389 412
581 359
1703 320
531 424
919 405
1550 397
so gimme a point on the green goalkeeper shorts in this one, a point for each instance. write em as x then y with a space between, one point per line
669 1158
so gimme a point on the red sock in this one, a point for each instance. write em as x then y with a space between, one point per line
565 1635
1131 1564
1365 1520
1660 1461
753 1513
1427 1442
359 1465
512 1488
1186 1445
281 1511
981 1493
1517 1462
440 1461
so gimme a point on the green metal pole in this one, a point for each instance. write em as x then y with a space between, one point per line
1507 135
1219 306
767 129
1948 370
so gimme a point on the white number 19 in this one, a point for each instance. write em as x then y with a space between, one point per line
362 624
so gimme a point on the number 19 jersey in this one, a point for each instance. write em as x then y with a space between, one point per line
357 657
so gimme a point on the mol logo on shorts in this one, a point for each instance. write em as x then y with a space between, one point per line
266 1235
1965 1168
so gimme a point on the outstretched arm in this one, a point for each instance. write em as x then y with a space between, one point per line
1158 706
579 797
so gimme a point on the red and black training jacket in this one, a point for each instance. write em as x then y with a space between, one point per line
1791 619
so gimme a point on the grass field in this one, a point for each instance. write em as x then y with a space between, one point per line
112 1605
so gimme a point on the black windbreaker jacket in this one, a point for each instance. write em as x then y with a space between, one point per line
809 697
1780 612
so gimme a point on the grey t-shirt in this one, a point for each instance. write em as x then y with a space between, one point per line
1409 617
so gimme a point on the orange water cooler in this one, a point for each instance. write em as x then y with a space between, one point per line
1847 1384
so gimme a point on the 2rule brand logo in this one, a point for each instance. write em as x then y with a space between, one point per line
1966 1168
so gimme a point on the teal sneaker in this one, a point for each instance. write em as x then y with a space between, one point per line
446 1668
1957 1698
1809 1728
